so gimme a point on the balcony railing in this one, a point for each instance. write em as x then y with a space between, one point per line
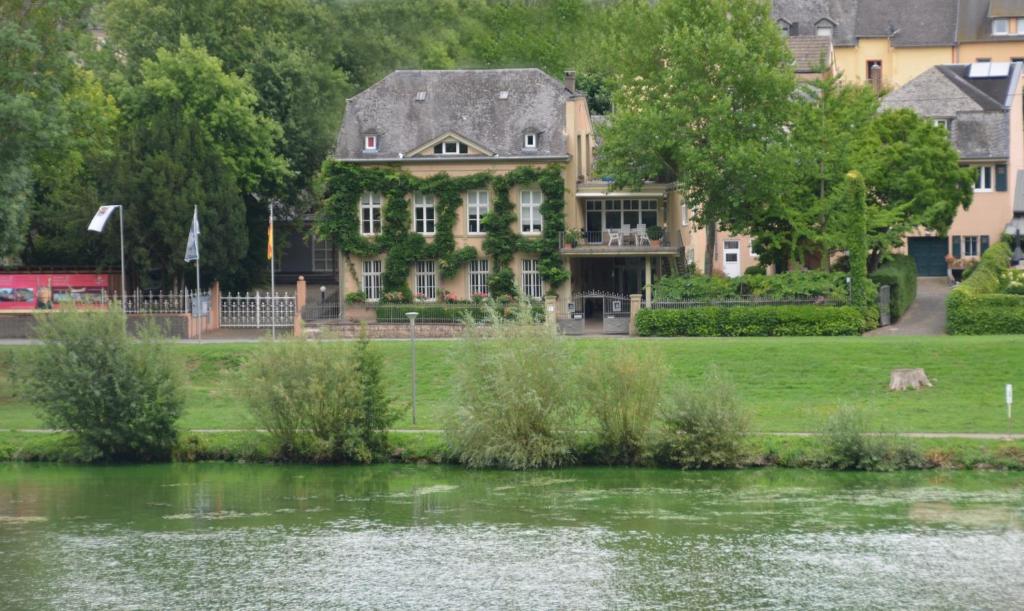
620 239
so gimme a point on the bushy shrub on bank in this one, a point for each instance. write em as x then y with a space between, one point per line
976 307
901 274
734 321
120 397
789 285
622 391
321 402
848 445
704 427
516 408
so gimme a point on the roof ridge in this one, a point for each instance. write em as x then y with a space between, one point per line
967 87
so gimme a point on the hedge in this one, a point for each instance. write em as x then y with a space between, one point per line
901 274
976 307
789 285
738 321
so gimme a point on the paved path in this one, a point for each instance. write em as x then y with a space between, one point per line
927 316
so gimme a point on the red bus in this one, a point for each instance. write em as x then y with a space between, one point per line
32 291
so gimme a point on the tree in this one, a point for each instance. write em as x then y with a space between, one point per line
706 108
913 177
193 137
851 195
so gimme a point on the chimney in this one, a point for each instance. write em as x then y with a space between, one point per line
794 29
570 80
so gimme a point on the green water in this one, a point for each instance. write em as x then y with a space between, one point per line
246 536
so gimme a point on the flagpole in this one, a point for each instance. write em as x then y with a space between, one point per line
273 294
124 288
198 303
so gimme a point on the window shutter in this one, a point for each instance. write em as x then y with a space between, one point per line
1001 177
956 247
984 244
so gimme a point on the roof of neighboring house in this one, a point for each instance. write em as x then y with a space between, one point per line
907 23
469 104
975 19
810 53
979 107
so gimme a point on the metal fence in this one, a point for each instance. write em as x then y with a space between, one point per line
155 302
257 311
321 312
742 301
436 313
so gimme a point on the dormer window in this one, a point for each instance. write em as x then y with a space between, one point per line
530 141
370 143
783 27
451 147
825 27
1000 27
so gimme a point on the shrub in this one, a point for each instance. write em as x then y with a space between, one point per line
755 270
513 408
848 445
322 402
704 428
120 397
355 297
655 232
788 285
901 274
975 306
621 390
754 321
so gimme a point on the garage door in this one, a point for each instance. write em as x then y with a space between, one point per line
929 254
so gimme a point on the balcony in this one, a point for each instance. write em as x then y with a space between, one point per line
620 243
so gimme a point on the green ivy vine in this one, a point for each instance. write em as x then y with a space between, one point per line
343 185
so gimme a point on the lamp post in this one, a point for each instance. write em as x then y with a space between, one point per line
323 295
1017 253
412 338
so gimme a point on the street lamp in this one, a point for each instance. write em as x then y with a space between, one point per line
412 338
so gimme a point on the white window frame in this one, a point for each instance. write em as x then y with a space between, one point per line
479 272
478 205
531 283
370 214
824 30
530 141
371 280
1005 30
531 221
973 240
426 280
323 255
986 179
424 218
371 143
945 123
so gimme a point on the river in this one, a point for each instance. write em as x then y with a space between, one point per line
427 537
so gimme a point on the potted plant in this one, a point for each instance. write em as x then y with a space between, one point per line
655 233
573 237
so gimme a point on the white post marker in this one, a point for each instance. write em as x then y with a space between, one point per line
1009 407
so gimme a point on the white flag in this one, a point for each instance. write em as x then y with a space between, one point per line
192 248
101 217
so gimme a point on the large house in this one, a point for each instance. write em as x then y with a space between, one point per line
482 125
980 104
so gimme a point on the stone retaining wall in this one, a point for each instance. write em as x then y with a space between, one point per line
384 331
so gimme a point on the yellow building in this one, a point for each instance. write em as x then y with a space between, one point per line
990 30
887 42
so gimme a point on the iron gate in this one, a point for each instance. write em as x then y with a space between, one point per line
596 311
259 311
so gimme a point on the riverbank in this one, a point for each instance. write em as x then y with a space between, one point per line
785 384
762 450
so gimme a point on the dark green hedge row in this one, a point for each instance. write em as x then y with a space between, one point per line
901 274
716 321
976 307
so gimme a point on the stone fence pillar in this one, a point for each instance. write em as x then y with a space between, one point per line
214 305
550 309
300 302
634 309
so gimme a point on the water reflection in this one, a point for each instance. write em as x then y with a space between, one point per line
217 535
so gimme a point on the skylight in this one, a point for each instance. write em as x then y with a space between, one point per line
989 70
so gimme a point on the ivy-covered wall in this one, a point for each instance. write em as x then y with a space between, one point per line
344 183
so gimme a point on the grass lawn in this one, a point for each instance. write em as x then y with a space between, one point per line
788 384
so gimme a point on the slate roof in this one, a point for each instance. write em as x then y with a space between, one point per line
810 52
979 107
909 23
463 102
975 19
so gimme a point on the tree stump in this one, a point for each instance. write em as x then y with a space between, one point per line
902 379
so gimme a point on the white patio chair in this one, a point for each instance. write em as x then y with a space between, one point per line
640 236
614 237
627 234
